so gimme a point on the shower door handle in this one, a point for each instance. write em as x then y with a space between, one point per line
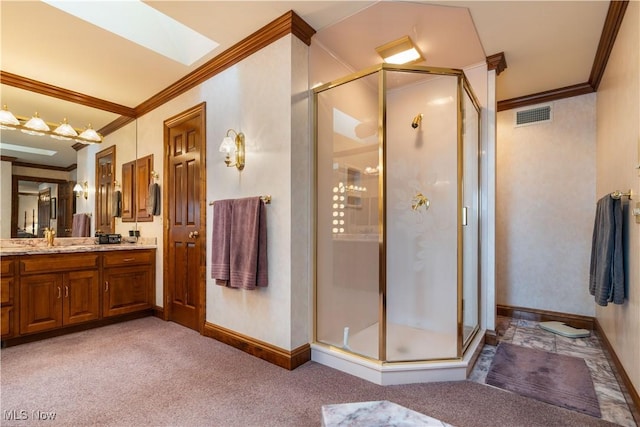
464 215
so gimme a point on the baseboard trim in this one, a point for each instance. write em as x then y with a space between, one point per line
534 314
272 354
491 338
158 312
23 339
621 375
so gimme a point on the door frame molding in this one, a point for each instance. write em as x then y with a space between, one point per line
193 112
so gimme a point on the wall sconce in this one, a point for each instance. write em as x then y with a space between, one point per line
82 189
230 144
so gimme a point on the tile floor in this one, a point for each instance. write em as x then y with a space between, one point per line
526 333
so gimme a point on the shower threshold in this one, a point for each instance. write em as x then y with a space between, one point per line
392 373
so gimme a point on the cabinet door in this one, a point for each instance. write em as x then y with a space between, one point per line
144 166
128 194
40 302
81 297
126 289
7 302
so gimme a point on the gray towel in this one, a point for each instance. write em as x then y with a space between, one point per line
117 204
153 200
606 272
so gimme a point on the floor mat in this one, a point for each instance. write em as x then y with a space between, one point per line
553 378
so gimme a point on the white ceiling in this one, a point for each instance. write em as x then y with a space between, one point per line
547 45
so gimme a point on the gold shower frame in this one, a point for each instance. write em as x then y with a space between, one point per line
462 87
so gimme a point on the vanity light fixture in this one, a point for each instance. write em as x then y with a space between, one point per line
36 126
236 144
7 119
82 189
64 131
400 51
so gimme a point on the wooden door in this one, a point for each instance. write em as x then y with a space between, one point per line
81 293
105 177
44 210
65 209
185 205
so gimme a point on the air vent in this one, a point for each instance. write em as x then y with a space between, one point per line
533 116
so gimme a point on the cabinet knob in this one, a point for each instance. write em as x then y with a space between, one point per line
106 286
59 292
66 291
193 234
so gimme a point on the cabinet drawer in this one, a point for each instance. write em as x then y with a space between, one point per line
129 257
7 266
58 262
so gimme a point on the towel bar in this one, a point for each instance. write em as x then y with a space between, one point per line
619 194
266 199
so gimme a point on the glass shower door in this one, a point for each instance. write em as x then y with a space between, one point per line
421 216
347 268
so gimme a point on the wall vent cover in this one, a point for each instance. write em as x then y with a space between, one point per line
533 116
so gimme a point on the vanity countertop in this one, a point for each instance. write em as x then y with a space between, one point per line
68 245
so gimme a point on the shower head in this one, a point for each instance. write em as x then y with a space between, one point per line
416 121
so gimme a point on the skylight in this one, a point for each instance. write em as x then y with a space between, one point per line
143 25
25 149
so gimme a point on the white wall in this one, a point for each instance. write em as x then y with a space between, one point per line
618 155
263 96
5 200
545 208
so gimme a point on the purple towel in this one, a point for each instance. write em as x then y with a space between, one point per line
220 241
248 255
81 225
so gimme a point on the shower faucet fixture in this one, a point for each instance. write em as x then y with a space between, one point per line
417 120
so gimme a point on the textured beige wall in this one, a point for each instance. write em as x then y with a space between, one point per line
545 208
618 155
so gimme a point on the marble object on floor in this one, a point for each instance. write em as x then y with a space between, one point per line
376 413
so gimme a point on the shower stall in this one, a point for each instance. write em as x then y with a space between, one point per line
397 224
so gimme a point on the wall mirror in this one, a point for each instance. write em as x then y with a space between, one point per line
41 163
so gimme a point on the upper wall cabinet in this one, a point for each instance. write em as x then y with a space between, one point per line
136 179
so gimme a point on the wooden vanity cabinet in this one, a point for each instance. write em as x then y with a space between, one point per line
129 278
58 290
8 297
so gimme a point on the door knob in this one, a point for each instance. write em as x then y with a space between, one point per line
193 234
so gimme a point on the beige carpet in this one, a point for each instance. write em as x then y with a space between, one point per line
153 373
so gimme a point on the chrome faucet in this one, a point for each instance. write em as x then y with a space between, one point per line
49 235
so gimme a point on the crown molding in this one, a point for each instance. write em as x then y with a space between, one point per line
497 62
546 96
289 23
115 125
612 23
64 94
